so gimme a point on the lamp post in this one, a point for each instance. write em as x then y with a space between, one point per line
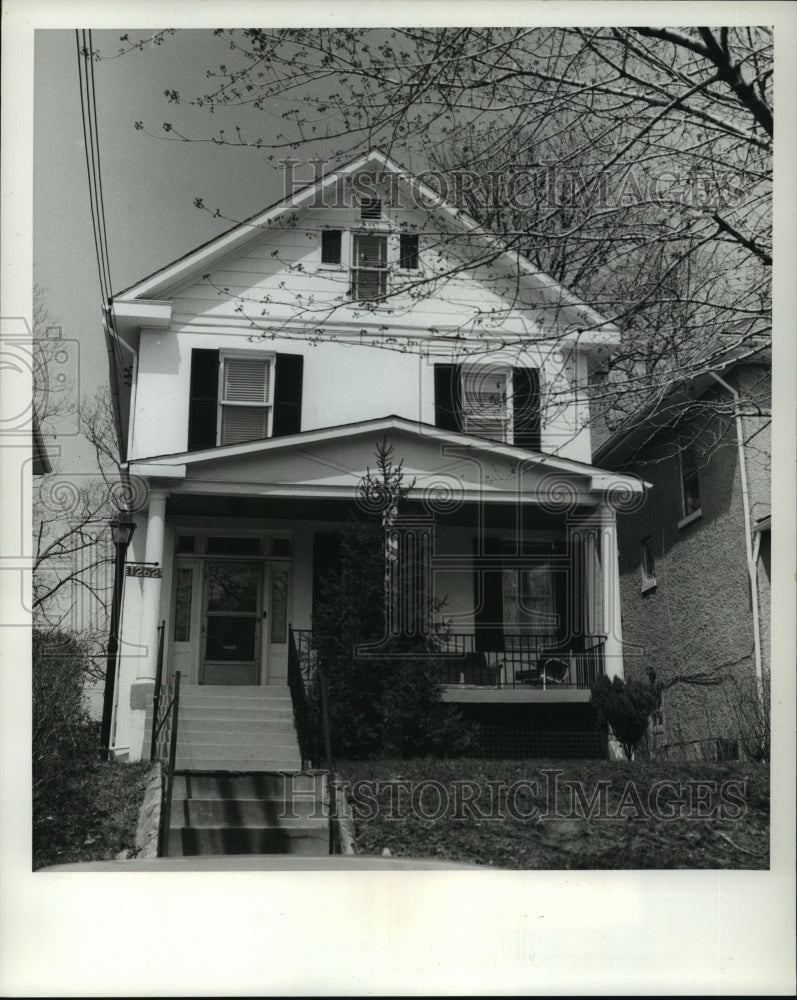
122 533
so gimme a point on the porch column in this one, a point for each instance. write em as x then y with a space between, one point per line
610 578
143 687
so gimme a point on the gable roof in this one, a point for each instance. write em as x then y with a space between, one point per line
667 409
158 284
177 466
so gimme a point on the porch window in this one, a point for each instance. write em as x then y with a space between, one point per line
245 397
486 402
232 545
537 601
369 267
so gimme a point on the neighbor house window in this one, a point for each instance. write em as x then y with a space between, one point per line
690 486
648 565
486 405
408 251
245 397
369 266
331 241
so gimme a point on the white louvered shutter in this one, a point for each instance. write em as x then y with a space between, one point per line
245 399
485 402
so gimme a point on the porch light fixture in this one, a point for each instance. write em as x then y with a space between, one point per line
121 533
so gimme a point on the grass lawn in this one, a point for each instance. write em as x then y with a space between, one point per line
91 817
647 814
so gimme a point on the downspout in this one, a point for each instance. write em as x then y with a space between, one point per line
750 556
111 334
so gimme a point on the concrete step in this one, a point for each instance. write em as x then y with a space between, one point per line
243 840
237 726
223 692
233 714
246 785
274 812
238 763
204 735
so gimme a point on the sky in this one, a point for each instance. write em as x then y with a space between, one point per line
149 184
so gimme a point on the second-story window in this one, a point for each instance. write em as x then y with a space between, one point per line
245 398
369 266
486 402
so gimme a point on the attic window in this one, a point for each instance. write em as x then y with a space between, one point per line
369 267
331 246
370 208
245 398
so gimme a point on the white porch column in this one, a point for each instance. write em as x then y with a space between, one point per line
144 686
610 572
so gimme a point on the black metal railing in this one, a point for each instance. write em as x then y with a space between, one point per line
308 687
539 661
163 747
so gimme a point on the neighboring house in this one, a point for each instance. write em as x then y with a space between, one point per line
695 556
265 366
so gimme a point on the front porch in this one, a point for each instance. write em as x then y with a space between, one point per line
240 537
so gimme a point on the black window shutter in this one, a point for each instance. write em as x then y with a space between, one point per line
526 407
488 592
447 397
288 395
204 399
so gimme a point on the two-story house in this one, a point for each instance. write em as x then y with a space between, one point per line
259 373
695 557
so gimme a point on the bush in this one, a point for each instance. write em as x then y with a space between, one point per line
626 707
64 740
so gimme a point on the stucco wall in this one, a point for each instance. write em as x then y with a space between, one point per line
696 623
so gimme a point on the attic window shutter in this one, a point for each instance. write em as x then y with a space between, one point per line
245 399
447 397
288 395
526 408
203 404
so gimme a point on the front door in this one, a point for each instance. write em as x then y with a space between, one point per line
233 609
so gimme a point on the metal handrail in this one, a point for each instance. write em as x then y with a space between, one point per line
310 739
158 681
170 715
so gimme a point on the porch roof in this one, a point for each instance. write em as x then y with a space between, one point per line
330 462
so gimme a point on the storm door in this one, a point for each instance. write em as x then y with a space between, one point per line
233 610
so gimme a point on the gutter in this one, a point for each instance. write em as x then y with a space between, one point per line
111 334
750 554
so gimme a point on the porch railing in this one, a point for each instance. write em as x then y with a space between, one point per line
308 689
165 715
539 661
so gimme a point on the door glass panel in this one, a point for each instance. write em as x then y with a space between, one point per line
232 588
279 605
231 637
182 605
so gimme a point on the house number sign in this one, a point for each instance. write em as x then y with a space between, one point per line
148 572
